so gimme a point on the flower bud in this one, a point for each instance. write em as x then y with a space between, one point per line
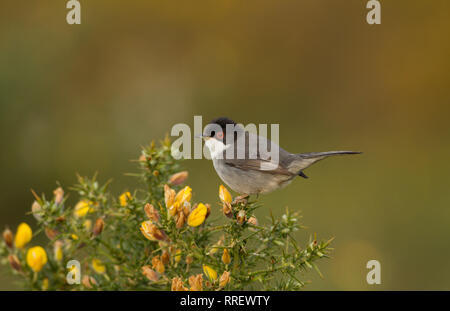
241 217
225 195
189 259
23 235
157 264
36 258
253 221
178 178
178 255
187 208
57 250
210 272
50 233
227 210
59 195
151 212
165 257
8 237
36 210
150 273
180 220
45 284
98 226
226 256
196 282
88 281
224 279
87 224
208 210
14 262
143 158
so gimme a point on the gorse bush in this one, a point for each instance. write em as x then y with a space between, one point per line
157 238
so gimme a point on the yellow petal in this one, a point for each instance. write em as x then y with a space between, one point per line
58 253
178 255
36 258
210 272
225 195
45 284
184 195
23 235
124 198
146 230
198 215
82 208
98 266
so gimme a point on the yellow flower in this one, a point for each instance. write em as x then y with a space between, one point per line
74 237
146 230
124 198
82 208
210 272
23 235
197 216
178 255
216 246
87 224
57 251
36 258
225 195
151 232
98 266
226 257
45 284
184 195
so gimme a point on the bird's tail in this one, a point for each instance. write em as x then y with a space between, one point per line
301 161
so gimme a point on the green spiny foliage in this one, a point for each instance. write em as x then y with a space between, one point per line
152 239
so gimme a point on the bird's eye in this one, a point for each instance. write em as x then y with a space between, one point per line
219 135
213 133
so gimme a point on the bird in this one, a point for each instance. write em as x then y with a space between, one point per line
255 171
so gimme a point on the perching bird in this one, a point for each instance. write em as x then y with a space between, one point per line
256 170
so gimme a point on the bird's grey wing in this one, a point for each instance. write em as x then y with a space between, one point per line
259 154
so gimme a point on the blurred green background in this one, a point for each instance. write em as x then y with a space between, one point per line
84 98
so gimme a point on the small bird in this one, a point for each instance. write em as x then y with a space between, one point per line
255 171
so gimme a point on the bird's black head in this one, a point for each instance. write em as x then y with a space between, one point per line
217 128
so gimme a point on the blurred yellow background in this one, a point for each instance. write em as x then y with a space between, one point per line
84 98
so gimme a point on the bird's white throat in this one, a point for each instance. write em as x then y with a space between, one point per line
216 148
